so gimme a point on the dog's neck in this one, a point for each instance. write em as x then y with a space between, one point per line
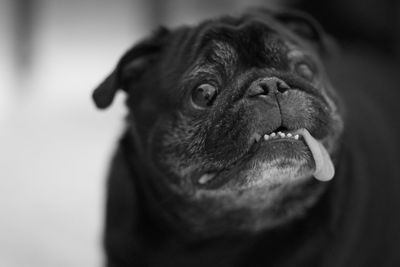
162 234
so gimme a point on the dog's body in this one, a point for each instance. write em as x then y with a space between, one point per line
209 172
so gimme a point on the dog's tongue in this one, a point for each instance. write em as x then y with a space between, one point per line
324 169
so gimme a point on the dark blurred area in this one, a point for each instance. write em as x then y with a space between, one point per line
372 23
56 146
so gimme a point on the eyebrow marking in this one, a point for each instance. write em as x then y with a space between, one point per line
201 69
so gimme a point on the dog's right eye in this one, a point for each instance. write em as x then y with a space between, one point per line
203 95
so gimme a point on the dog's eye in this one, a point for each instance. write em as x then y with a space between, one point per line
203 95
305 71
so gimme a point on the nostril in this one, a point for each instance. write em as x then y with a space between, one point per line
257 90
282 86
260 89
264 88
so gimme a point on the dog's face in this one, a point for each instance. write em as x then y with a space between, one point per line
233 118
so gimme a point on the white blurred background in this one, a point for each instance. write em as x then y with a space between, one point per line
54 145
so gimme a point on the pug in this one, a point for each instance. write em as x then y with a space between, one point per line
231 148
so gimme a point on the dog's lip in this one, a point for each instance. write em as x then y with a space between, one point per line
213 179
301 141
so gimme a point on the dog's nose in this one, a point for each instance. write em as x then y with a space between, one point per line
267 86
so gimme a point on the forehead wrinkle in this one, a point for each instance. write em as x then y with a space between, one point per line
275 51
224 53
253 44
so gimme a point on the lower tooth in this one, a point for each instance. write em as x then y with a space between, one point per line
205 178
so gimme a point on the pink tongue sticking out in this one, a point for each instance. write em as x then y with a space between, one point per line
324 169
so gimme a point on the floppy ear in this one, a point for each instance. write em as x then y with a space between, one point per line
130 67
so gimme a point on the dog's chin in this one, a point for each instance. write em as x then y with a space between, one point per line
272 165
268 189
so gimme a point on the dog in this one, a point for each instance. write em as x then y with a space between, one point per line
236 152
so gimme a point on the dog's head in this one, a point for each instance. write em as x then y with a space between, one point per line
233 118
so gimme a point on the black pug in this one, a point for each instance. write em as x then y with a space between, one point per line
233 136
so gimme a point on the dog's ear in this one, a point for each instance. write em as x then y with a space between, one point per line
307 28
131 66
301 24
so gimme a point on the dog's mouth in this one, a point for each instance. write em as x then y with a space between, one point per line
286 149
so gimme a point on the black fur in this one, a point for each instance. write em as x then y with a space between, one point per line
353 223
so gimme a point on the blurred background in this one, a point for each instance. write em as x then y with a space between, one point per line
55 146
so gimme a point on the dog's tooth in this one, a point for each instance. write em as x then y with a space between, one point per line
256 137
205 178
281 134
289 135
296 137
266 137
272 135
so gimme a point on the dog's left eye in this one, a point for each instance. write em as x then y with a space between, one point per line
203 95
305 70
